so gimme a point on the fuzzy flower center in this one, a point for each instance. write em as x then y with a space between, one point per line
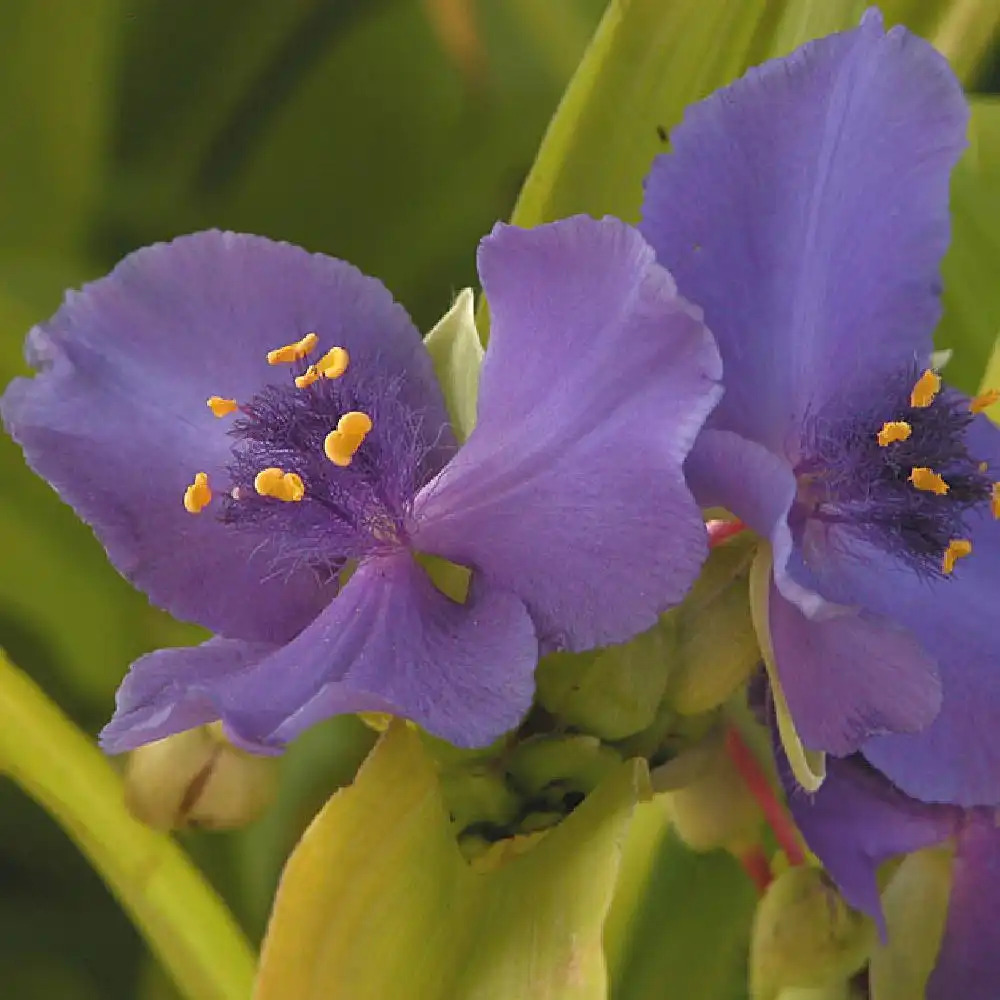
900 472
325 461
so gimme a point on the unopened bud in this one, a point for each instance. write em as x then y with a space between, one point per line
198 778
556 772
716 644
708 799
805 936
477 796
613 692
915 904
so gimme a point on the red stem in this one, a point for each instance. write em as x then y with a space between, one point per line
722 531
775 813
757 866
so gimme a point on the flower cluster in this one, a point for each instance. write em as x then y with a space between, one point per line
257 436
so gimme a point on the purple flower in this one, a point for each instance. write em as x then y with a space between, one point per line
567 502
858 819
805 208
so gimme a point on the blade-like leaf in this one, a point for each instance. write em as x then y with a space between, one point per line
377 901
183 920
971 291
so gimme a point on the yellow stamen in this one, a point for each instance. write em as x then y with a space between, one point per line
984 400
198 495
221 406
928 480
273 482
304 381
293 352
983 466
334 363
926 389
341 445
958 548
995 501
892 431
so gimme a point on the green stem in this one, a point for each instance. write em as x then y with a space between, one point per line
181 917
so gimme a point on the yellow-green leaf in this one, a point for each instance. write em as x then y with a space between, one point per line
376 901
185 923
457 353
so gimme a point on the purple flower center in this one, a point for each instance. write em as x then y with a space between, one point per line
323 469
897 470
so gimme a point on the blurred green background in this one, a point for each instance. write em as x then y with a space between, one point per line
392 133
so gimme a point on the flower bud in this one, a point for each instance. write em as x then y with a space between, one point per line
707 799
198 778
612 692
805 936
556 772
915 903
716 643
476 796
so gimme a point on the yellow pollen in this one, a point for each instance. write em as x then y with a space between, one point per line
198 495
221 406
293 352
926 389
334 363
341 445
958 548
995 501
928 480
305 380
984 400
273 482
892 431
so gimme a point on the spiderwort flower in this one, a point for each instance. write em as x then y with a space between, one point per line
334 451
805 208
858 819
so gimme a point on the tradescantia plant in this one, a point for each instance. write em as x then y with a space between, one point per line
689 571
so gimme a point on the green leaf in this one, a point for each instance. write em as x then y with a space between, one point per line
183 920
679 926
376 900
971 292
457 353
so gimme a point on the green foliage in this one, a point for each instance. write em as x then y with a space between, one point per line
186 924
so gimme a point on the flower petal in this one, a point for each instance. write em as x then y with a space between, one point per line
968 964
391 642
848 676
857 820
569 491
171 690
957 757
117 422
805 209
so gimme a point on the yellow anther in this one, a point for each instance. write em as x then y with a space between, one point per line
926 389
305 380
334 363
341 445
293 352
928 480
354 424
892 431
984 400
983 466
995 501
221 406
958 548
273 482
198 495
